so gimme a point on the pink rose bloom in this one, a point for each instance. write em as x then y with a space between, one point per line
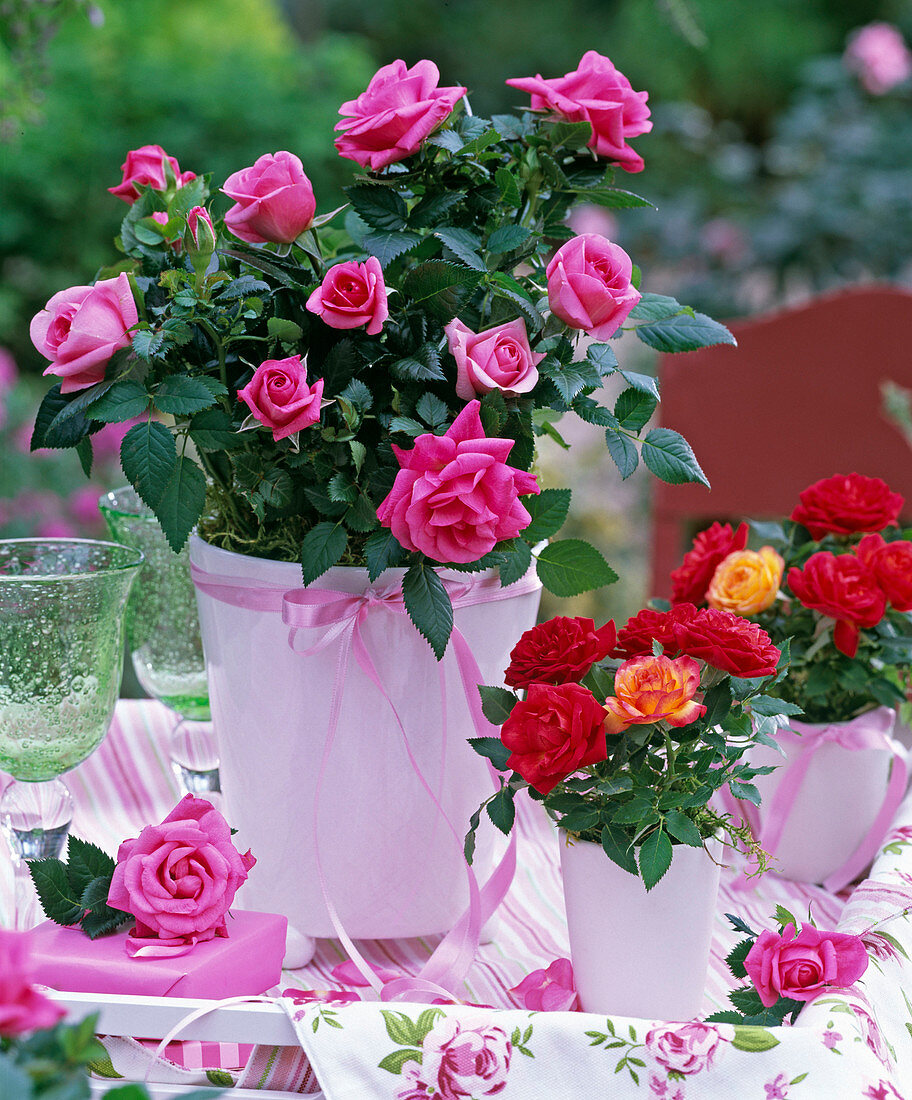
878 54
146 165
22 1008
274 200
804 965
597 93
392 117
81 328
455 497
589 285
688 1048
497 359
178 879
352 295
279 397
550 990
465 1058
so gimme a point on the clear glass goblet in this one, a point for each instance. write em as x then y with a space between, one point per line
164 637
62 604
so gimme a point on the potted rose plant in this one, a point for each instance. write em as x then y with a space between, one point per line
322 392
625 737
835 579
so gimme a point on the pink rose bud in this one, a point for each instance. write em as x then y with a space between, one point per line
392 117
199 237
878 54
274 200
81 328
22 1008
597 93
147 165
589 285
455 497
279 397
550 990
352 295
178 879
804 965
497 359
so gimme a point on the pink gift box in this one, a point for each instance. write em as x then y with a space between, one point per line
247 962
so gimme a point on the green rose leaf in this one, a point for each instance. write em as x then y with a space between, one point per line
655 307
496 703
85 863
428 605
382 550
123 401
508 237
212 430
571 566
755 1040
669 456
623 452
684 332
516 562
181 395
634 408
322 547
462 243
182 502
443 287
149 457
682 828
655 857
387 246
618 848
379 207
493 749
548 511
502 810
48 431
54 891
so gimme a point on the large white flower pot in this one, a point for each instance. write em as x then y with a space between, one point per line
820 809
390 865
639 953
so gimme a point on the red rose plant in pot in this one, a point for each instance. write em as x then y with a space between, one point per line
345 405
625 737
833 583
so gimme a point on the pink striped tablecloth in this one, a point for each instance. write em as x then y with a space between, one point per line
127 783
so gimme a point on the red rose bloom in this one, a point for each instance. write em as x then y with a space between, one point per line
691 579
637 635
727 642
842 587
846 503
891 564
558 651
553 732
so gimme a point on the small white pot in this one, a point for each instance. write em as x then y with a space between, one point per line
636 953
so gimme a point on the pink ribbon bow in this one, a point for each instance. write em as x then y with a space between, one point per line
341 615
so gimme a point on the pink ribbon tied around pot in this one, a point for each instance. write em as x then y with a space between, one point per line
870 730
341 615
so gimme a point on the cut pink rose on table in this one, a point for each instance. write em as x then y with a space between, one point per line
598 93
81 328
179 878
274 200
498 358
802 965
589 285
397 111
455 497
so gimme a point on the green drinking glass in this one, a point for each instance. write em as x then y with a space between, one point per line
164 638
62 605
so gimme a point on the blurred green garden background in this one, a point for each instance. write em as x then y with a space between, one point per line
774 170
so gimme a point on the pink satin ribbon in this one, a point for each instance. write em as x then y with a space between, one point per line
341 615
867 731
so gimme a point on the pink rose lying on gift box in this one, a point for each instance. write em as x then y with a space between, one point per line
178 879
801 966
455 497
22 1008
81 328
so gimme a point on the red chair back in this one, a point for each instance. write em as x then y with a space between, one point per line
797 400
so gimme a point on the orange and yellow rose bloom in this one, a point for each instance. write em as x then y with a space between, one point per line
654 689
746 582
